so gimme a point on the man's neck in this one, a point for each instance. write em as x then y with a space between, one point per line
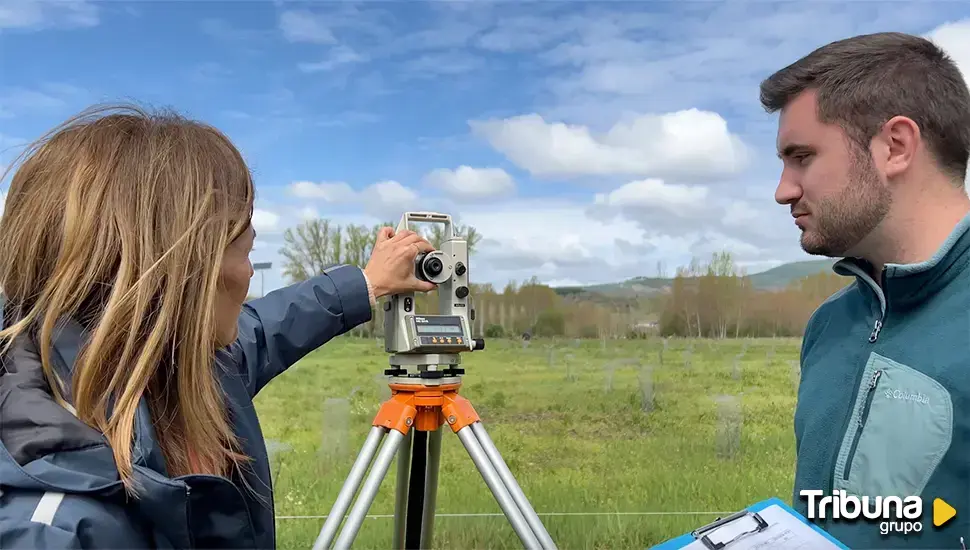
918 226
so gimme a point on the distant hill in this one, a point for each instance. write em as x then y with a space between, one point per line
774 278
785 274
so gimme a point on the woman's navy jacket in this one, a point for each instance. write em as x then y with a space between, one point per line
60 488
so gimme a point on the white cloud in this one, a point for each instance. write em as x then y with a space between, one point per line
47 99
34 15
334 192
709 56
337 56
686 144
525 33
381 199
739 214
451 63
552 240
309 213
606 237
954 38
655 193
3 200
467 183
688 211
570 242
566 243
16 101
710 243
303 26
390 192
265 221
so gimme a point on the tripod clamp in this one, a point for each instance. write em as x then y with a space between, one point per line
428 366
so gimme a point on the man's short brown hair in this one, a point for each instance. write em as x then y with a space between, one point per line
862 82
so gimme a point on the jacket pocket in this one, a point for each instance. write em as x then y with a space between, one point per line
900 428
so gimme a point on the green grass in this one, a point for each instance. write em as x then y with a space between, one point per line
573 446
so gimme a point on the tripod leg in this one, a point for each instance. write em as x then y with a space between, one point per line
346 495
494 482
431 488
513 487
419 459
373 482
401 495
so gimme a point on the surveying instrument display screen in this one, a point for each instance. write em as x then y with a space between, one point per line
440 333
424 377
446 329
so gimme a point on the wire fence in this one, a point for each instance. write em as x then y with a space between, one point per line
498 514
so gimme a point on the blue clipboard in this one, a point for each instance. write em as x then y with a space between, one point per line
688 538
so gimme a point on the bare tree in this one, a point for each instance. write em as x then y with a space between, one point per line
358 245
309 249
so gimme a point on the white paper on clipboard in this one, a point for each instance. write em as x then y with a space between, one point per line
784 532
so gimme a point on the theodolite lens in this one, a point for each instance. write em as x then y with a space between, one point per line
433 266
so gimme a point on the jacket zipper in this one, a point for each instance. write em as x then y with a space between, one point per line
877 327
874 335
863 417
188 513
188 493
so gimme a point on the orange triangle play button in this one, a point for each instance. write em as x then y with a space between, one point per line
942 512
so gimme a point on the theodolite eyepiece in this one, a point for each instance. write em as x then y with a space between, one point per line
429 266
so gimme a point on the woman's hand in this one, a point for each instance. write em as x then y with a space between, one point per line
391 266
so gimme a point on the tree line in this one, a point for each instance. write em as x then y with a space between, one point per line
710 300
717 300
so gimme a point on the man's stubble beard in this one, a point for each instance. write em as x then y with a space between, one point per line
841 222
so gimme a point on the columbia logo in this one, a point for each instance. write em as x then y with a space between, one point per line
907 396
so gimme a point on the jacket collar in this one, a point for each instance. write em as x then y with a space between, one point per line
906 285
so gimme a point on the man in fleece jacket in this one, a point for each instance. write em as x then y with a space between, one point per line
874 134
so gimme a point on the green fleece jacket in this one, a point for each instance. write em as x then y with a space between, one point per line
884 400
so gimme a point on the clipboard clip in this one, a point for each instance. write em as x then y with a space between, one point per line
702 532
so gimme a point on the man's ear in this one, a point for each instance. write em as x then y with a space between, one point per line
901 138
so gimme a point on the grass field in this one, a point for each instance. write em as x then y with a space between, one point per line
604 429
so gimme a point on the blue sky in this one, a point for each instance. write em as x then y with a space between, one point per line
587 142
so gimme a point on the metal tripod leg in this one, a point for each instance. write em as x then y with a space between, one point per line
416 490
513 487
349 489
431 488
495 483
382 463
401 494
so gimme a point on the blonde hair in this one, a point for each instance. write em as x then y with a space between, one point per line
118 219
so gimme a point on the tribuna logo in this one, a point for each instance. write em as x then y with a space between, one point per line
906 510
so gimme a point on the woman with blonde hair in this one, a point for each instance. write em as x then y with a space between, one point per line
129 357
